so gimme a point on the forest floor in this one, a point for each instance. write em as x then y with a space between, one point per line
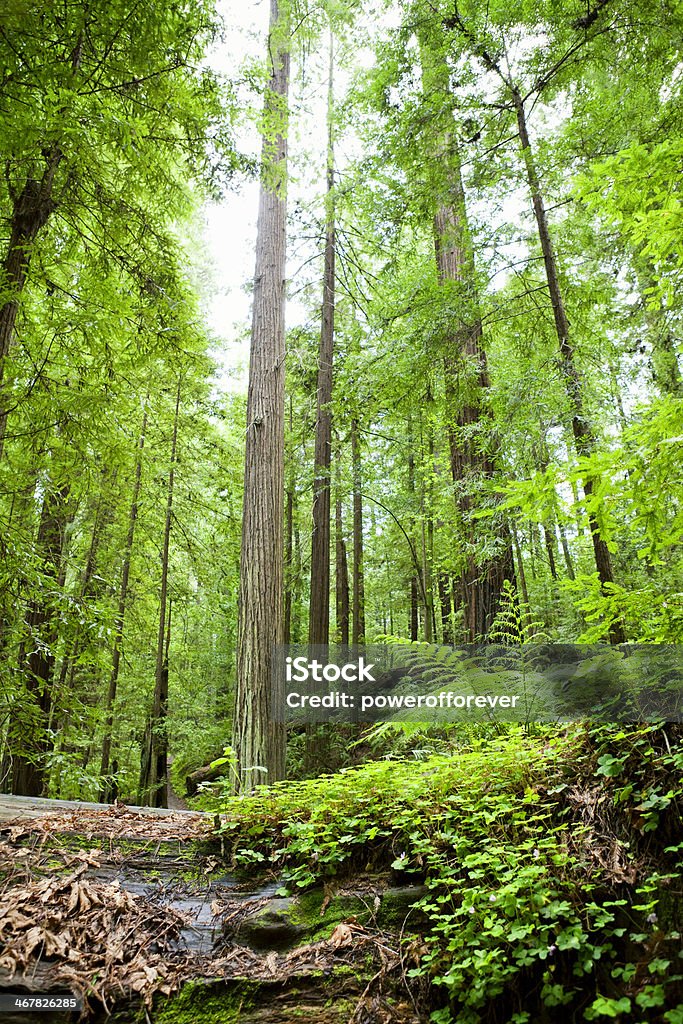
135 912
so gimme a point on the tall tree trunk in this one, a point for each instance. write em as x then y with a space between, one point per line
428 620
414 618
319 614
297 577
259 743
154 767
427 530
106 784
29 742
526 613
31 210
318 736
445 603
341 574
566 553
549 538
358 634
289 535
89 586
584 439
288 568
416 582
21 513
465 369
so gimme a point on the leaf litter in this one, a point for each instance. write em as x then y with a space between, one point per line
61 927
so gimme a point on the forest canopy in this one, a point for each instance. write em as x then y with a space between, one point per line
464 410
450 425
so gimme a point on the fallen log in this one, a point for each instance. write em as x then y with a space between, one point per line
208 773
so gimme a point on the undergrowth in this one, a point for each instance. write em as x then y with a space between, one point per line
553 863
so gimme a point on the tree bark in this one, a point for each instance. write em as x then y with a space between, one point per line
258 742
444 584
466 376
319 608
566 553
288 569
549 538
522 575
416 587
341 575
29 740
358 634
30 213
414 618
106 784
154 767
584 439
427 534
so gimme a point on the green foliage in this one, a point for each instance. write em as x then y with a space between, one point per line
108 110
527 911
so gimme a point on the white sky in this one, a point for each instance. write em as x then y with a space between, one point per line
230 226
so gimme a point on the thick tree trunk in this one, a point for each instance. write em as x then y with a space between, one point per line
584 439
30 213
258 742
107 784
466 374
29 741
482 578
358 633
319 613
154 766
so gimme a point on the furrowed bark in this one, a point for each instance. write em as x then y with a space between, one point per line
258 742
466 373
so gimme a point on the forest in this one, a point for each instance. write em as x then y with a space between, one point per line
453 417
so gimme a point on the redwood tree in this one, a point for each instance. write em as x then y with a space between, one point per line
258 742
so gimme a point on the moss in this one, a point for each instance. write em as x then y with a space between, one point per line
207 1002
319 925
398 910
250 1002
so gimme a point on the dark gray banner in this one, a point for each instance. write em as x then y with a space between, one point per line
478 683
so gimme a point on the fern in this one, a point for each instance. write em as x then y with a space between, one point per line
513 623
